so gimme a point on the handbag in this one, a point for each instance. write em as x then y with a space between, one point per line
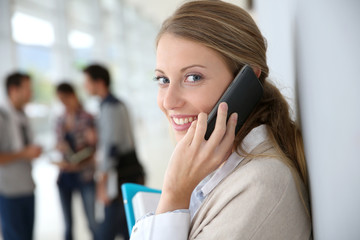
129 169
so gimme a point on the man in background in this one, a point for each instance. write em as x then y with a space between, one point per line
16 154
115 138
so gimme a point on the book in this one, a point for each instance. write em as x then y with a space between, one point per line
144 203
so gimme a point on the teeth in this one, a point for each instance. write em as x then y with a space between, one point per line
182 121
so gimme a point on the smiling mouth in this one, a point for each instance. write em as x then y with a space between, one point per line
183 120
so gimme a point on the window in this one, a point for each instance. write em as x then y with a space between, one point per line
30 30
78 39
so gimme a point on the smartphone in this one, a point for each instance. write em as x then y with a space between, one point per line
242 96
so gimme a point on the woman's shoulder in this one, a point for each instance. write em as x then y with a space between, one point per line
114 108
264 171
260 195
267 176
261 181
82 112
262 175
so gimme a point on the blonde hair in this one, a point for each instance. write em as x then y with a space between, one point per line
231 31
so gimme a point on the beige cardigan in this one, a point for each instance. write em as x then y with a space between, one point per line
259 200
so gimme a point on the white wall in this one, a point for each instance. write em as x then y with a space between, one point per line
317 43
328 36
275 20
6 47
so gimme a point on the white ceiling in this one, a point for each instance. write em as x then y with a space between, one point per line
158 10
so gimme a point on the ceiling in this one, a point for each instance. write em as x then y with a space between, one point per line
158 10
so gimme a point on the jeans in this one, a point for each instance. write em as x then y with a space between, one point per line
17 217
114 223
87 191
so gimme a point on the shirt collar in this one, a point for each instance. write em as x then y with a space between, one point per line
109 99
17 115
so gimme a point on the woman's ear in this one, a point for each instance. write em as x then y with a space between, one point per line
257 71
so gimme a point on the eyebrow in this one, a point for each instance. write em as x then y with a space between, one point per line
184 68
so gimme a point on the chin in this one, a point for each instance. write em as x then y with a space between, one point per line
179 135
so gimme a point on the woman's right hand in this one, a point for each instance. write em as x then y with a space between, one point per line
62 146
194 158
31 152
66 166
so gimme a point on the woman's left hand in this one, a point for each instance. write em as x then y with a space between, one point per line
67 167
194 158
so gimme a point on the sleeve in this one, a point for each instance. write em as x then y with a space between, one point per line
171 225
91 131
114 135
107 138
2 125
59 130
125 130
1 121
5 131
90 123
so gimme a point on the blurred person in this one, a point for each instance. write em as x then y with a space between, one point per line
252 185
76 140
115 139
17 151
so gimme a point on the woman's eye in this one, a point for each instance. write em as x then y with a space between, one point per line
193 78
162 80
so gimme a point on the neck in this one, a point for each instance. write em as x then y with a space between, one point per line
74 108
103 92
71 110
18 106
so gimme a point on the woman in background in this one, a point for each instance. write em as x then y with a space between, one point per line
249 186
76 139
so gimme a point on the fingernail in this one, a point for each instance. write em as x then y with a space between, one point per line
235 117
193 124
224 106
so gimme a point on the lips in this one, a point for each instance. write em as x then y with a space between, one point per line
183 122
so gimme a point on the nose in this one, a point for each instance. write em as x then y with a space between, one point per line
173 98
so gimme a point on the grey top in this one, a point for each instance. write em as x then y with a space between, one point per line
15 177
115 134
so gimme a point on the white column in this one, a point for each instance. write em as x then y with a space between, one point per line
6 45
62 53
99 33
276 20
328 51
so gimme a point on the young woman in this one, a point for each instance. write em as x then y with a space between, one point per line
76 139
249 186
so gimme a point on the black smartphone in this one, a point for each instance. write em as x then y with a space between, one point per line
242 96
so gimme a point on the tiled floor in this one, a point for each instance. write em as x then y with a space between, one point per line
49 219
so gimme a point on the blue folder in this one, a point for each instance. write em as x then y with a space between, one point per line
128 191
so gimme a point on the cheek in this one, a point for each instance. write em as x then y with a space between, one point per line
88 87
206 99
27 94
213 92
160 101
66 103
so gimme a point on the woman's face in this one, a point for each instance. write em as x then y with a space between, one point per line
191 79
68 100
